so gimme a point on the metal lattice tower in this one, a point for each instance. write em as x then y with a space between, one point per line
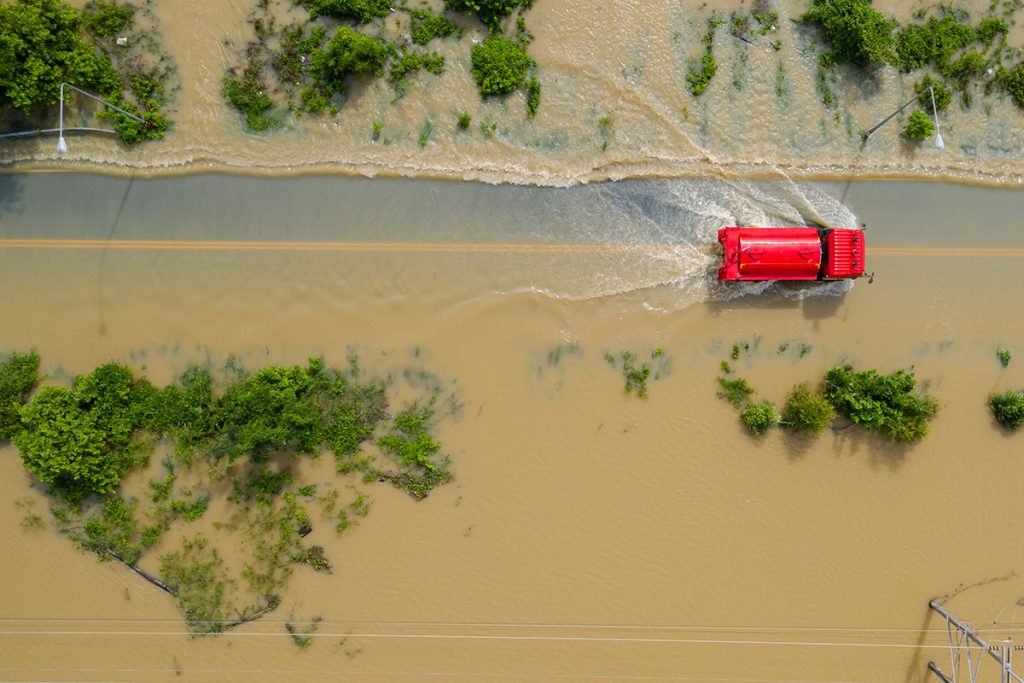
968 650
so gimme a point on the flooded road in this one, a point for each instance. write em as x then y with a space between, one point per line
588 535
615 105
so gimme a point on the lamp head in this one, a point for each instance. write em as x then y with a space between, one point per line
62 146
939 144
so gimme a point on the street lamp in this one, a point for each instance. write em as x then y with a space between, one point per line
939 145
62 146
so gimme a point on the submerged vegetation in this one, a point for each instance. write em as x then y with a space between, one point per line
941 38
636 372
890 405
107 48
312 66
84 441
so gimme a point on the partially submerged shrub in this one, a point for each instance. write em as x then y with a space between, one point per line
807 411
887 404
361 11
928 85
1008 408
19 374
919 126
735 391
490 12
349 53
246 94
499 65
758 418
425 26
106 19
856 32
1013 82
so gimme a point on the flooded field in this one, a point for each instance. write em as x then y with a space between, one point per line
588 534
615 105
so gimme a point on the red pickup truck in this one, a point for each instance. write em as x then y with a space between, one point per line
791 254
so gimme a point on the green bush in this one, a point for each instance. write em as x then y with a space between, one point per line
499 65
490 12
932 43
1013 82
699 78
426 26
990 27
106 19
1008 408
855 32
361 11
246 94
532 96
19 374
1004 355
349 53
807 411
919 126
887 404
758 418
970 65
943 95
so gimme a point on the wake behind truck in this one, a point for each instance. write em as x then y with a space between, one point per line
756 254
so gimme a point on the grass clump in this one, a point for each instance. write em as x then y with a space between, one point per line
806 411
405 67
499 65
1004 355
919 126
1013 82
700 74
1007 408
246 93
759 417
887 404
426 26
532 96
464 120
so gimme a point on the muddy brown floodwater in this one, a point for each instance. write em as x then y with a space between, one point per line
588 535
624 62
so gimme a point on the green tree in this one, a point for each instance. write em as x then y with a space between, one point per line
856 33
919 126
41 47
499 65
80 440
349 53
887 404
